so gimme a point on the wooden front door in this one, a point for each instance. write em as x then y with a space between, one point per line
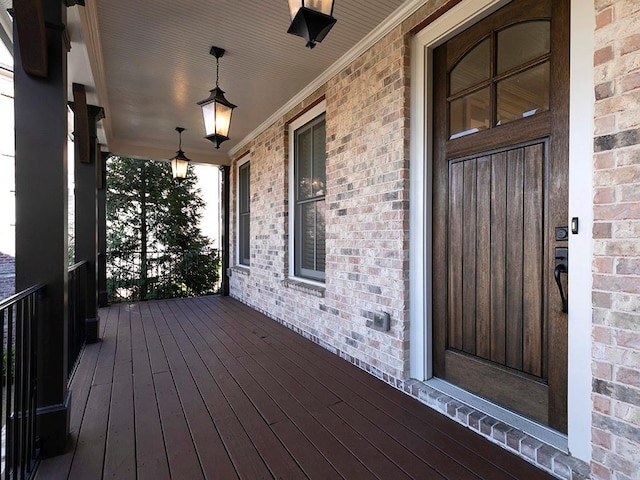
500 191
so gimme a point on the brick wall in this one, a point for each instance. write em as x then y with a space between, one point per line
616 264
7 276
367 227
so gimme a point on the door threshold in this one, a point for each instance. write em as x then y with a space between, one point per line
527 426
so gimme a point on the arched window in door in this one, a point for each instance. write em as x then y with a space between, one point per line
502 78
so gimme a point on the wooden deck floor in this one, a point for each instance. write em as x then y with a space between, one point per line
208 388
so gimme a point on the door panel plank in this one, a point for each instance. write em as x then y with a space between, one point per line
504 388
514 244
532 262
469 258
456 211
498 241
483 257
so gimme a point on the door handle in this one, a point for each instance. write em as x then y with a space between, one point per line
562 266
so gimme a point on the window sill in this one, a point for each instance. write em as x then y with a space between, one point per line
305 287
241 269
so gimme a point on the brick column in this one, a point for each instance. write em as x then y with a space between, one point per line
616 230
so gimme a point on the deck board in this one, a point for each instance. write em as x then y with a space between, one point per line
209 388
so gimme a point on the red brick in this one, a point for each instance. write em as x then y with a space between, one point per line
602 370
601 335
603 195
600 472
602 230
604 18
617 212
628 376
629 44
604 90
601 438
601 299
604 125
630 82
628 339
603 55
602 404
604 160
613 283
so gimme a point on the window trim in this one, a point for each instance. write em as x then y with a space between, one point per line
241 163
302 120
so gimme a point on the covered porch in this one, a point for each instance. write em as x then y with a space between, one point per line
209 388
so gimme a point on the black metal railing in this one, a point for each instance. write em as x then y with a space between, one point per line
77 312
19 317
134 276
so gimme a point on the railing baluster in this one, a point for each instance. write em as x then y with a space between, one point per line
77 313
19 314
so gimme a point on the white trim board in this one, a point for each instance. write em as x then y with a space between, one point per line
580 203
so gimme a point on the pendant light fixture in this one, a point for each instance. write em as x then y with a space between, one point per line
311 19
216 110
180 162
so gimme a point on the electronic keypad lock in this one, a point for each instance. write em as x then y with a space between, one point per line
561 266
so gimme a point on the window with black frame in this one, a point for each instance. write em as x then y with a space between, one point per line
310 210
244 203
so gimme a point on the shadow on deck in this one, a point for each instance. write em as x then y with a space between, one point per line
209 388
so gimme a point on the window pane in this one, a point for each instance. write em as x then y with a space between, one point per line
312 245
303 163
308 233
244 200
321 212
524 94
474 68
243 192
244 239
522 42
469 114
319 155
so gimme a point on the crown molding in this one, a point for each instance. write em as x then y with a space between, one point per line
392 21
91 35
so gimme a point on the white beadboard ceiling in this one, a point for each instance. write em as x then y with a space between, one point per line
150 64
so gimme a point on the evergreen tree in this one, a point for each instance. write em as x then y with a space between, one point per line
155 246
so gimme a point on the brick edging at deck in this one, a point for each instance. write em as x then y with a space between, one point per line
543 456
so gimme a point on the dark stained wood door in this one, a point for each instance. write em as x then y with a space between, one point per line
500 189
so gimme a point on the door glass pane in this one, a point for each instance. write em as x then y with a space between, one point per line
524 94
522 42
475 67
469 114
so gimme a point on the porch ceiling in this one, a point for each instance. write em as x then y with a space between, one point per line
150 64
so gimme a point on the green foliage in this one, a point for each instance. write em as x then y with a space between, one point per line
154 243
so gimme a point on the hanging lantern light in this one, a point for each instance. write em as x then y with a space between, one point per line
311 19
216 110
180 162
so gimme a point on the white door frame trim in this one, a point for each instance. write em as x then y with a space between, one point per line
580 202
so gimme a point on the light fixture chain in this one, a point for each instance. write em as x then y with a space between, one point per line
217 70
